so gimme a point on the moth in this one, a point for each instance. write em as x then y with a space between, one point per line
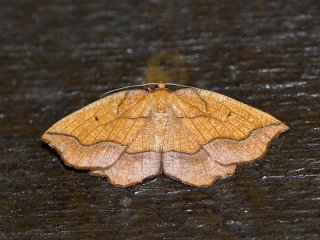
192 135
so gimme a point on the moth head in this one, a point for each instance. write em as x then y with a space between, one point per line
161 85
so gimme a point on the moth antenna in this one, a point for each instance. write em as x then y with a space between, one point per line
125 88
179 85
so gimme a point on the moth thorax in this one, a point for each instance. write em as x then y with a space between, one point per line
161 106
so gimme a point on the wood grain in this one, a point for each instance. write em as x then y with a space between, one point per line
58 56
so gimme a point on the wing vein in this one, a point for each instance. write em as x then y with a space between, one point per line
104 125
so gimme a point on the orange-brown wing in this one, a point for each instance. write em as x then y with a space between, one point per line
97 136
222 131
115 118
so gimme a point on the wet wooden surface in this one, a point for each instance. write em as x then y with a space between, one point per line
57 56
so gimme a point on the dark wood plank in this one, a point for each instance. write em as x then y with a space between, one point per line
57 56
